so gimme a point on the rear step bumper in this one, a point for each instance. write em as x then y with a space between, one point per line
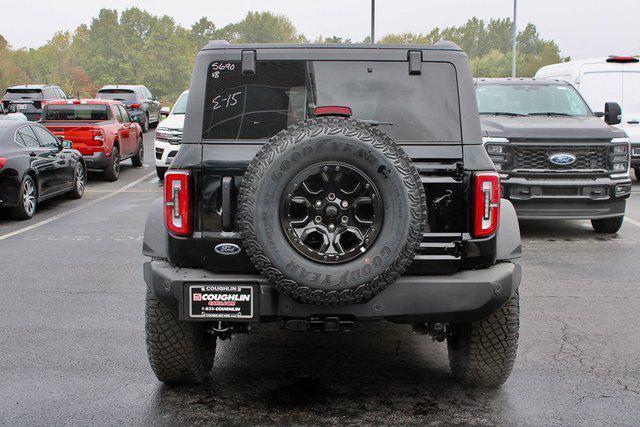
462 296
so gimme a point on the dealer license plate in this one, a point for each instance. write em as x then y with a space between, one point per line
221 301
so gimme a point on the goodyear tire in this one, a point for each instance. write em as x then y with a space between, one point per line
482 353
179 352
360 199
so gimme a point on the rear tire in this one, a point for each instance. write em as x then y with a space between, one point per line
160 172
482 353
79 181
144 123
179 352
112 172
27 200
607 225
138 159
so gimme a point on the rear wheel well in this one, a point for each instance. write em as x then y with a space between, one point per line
34 176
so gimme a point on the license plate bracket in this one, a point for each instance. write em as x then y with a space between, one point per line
223 302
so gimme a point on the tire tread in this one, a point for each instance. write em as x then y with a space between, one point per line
179 352
483 352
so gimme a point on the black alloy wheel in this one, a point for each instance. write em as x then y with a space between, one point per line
331 212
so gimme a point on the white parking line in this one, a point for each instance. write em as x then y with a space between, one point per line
76 209
632 221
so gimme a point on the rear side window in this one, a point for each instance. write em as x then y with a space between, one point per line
26 137
125 114
76 112
46 138
13 94
117 94
118 113
421 108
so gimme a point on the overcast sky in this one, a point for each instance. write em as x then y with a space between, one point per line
582 28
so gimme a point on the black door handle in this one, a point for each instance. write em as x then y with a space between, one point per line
32 153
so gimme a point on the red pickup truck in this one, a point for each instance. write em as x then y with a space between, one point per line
101 130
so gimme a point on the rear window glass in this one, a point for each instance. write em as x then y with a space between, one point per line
76 112
13 94
117 94
421 108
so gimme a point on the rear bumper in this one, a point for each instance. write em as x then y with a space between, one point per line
463 296
97 160
567 198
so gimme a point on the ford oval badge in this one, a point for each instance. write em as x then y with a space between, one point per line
562 159
227 249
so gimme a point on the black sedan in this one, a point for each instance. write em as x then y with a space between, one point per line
34 166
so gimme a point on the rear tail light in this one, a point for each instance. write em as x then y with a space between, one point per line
3 160
177 202
486 204
622 59
98 135
134 106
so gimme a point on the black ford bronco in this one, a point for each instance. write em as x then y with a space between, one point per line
556 158
324 186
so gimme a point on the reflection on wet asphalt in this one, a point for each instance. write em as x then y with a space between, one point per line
72 340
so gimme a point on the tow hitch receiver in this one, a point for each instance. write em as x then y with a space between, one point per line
317 324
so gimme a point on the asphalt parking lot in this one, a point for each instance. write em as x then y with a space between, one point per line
72 345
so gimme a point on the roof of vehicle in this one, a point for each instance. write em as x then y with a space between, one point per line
223 44
126 87
84 102
518 80
12 125
33 86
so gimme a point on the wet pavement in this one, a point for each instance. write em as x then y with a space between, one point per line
72 335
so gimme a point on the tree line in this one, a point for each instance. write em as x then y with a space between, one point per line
137 47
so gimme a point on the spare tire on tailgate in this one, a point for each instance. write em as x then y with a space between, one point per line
331 211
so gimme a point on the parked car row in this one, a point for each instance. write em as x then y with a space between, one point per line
30 100
51 157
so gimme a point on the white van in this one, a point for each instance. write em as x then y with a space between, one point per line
600 80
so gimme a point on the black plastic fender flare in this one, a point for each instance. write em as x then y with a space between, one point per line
155 243
508 242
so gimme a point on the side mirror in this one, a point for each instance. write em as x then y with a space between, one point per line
67 144
612 113
164 111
